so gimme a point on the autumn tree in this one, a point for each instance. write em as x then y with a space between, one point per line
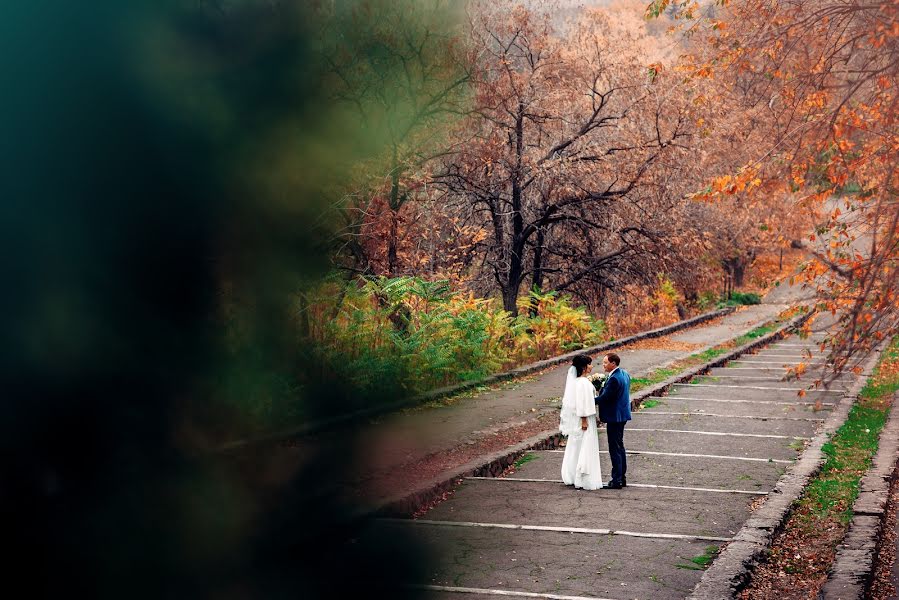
566 159
403 88
815 83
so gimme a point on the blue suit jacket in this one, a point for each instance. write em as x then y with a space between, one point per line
614 401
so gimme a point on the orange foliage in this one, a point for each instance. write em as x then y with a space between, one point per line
768 269
806 104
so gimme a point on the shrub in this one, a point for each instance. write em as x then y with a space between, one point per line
741 298
706 300
746 298
410 335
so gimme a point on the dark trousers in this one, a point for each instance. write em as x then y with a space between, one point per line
615 433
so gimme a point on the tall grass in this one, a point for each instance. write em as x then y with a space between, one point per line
413 335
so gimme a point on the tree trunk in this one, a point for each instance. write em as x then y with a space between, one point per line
736 268
512 284
517 246
391 245
537 281
510 299
739 274
394 205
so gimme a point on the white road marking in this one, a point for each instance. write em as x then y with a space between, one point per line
588 530
649 411
639 485
729 368
721 433
492 592
732 401
814 347
757 387
772 379
777 362
689 455
793 356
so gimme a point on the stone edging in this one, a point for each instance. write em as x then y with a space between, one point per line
563 358
851 573
461 387
491 465
732 568
494 464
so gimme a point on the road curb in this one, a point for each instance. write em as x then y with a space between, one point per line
732 569
852 571
563 358
493 464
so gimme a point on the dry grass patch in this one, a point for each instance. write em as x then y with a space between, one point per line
663 343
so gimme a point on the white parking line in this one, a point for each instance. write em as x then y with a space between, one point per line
826 405
492 592
777 362
757 387
812 347
814 359
592 531
648 411
733 401
771 379
793 356
639 485
688 455
729 368
722 433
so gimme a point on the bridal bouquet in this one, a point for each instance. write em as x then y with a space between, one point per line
598 379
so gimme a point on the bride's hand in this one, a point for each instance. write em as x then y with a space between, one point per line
583 423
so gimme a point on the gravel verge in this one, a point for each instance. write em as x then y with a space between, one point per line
853 569
733 567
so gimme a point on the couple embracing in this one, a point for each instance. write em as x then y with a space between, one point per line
580 466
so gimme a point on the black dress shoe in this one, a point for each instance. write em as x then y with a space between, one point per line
624 482
612 485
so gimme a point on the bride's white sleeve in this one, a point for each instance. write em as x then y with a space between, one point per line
584 398
568 422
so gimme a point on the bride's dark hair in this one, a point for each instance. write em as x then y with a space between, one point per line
580 363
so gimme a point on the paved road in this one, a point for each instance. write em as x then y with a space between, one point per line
405 437
697 462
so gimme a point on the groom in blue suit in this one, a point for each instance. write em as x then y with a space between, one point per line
614 408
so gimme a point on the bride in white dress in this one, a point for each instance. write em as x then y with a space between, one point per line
580 465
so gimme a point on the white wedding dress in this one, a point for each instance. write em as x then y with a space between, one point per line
580 465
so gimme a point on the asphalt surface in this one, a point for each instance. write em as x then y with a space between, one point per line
698 461
395 441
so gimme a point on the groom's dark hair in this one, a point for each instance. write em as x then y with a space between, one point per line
580 363
614 358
